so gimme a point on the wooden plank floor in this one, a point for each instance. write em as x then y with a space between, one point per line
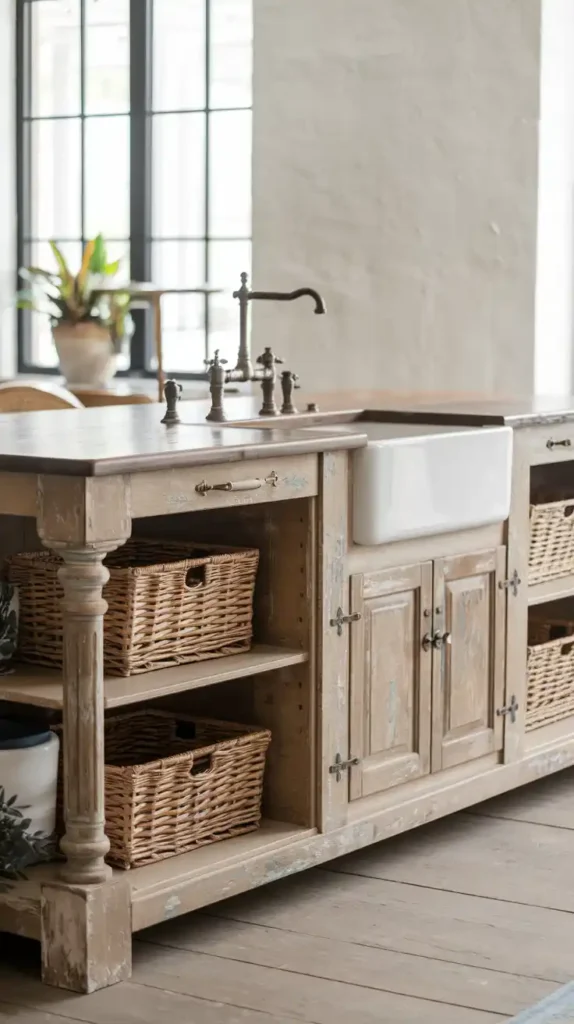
466 921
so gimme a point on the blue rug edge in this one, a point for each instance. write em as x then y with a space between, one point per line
551 1010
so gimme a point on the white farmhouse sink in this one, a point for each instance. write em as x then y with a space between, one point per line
414 480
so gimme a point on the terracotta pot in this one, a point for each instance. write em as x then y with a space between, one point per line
86 354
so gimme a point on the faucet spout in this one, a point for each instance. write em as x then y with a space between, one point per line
320 306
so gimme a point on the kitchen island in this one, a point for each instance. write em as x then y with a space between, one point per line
392 676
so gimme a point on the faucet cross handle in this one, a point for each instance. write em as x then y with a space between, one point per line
216 361
268 360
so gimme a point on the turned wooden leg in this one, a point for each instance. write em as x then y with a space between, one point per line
85 843
86 913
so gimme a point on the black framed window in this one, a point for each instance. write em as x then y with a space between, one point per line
134 119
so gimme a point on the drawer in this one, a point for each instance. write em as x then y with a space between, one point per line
550 443
198 488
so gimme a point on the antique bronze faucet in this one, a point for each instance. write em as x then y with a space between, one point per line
244 370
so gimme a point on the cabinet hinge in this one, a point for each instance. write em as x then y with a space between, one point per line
339 766
510 709
512 584
340 619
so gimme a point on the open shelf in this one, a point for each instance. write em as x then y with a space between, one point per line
42 687
169 887
551 590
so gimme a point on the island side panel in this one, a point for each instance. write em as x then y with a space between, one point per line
517 599
333 653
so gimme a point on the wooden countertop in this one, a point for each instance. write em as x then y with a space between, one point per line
441 408
529 411
109 440
124 439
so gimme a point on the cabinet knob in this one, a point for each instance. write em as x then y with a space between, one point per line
440 640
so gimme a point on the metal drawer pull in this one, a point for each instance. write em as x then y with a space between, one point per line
567 443
238 485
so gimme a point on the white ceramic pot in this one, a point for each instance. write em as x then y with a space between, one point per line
86 354
29 773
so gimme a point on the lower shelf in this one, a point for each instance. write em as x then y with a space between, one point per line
42 687
551 590
170 887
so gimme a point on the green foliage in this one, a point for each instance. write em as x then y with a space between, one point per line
18 846
8 622
78 298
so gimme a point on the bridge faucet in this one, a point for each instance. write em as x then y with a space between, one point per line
244 370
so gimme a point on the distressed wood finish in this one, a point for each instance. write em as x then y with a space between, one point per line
265 480
333 653
86 499
42 687
82 521
390 678
84 843
468 670
18 494
517 599
132 439
549 443
86 935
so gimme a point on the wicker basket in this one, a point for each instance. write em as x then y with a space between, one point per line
550 693
168 604
173 783
551 541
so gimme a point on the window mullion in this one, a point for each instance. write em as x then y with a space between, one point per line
140 168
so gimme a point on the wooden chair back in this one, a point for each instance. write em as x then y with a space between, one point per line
16 397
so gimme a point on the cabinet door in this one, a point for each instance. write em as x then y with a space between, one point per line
468 664
390 678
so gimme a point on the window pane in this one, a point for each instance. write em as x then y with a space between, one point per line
178 72
55 57
181 265
41 351
230 174
227 260
231 53
183 335
56 179
107 176
120 251
107 57
178 264
178 175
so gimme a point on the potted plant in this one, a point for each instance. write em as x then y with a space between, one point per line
88 324
19 846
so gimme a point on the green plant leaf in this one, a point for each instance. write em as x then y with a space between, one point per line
98 260
81 279
62 265
111 269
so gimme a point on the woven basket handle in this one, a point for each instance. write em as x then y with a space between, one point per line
569 509
204 768
195 577
567 648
